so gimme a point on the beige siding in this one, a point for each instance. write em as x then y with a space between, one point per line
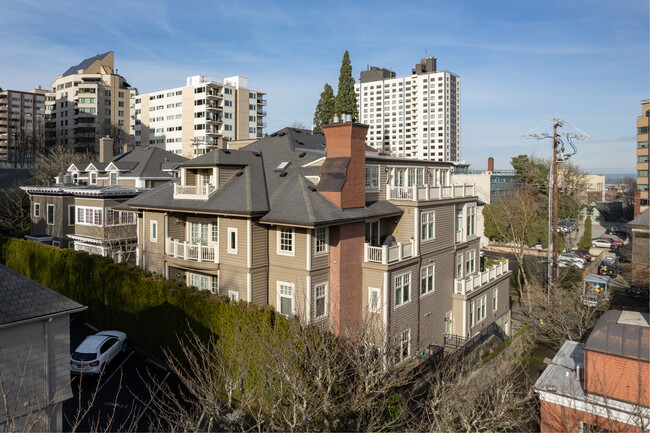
299 281
434 306
238 259
225 173
405 316
296 261
319 277
404 231
60 229
232 278
176 227
153 251
260 286
259 243
372 277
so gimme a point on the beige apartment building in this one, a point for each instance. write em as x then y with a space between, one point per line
641 195
22 125
194 119
88 101
327 232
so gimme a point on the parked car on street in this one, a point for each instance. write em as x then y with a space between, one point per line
601 243
565 262
97 351
620 231
583 253
611 240
572 256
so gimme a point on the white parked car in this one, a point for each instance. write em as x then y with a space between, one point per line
97 351
572 256
565 262
601 243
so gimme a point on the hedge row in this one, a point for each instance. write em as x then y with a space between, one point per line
151 310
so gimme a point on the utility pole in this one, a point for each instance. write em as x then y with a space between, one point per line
556 141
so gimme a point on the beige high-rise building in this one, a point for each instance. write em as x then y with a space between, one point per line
22 125
88 101
193 119
641 197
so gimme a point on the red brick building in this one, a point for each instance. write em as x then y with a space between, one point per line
603 384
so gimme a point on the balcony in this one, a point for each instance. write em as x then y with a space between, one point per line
472 283
188 251
261 124
193 192
214 107
261 101
426 192
214 119
385 254
214 94
261 113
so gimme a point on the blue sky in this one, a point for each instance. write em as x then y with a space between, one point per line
521 62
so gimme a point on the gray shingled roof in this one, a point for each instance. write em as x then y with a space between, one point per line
147 162
641 221
22 298
84 64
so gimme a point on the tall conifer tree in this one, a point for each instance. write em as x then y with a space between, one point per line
346 98
324 109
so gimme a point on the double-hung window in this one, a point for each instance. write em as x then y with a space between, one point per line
404 345
402 289
495 299
374 299
321 235
459 265
37 210
480 308
285 241
470 262
285 298
372 178
321 300
50 214
471 221
427 226
427 279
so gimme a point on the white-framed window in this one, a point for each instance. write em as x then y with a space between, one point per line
232 240
113 178
427 226
480 308
495 299
427 279
50 215
71 215
472 317
56 243
89 216
71 244
37 210
321 300
374 300
203 232
372 178
93 178
471 221
285 298
404 345
459 265
119 218
402 289
234 296
285 240
203 282
470 262
458 226
153 232
321 239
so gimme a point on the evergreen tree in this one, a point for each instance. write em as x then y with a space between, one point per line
346 98
585 240
324 109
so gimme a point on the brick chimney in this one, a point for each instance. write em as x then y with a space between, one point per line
105 149
343 182
343 174
491 165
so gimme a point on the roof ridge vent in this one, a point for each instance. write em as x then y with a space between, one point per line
283 174
301 154
312 188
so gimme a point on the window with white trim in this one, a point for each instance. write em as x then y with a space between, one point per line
71 244
71 215
285 240
480 308
93 178
372 178
232 240
37 209
321 239
495 299
233 295
470 262
471 220
203 282
153 231
50 215
404 345
321 300
427 279
458 226
285 298
402 289
374 299
427 226
113 178
89 216
56 243
472 306
459 265
119 218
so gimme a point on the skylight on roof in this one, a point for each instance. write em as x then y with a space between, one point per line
282 166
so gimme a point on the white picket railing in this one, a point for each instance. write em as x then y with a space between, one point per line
467 285
193 192
426 192
388 254
189 251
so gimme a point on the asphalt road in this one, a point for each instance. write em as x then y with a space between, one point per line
118 400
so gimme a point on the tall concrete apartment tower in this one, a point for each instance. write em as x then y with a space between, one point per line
412 117
192 120
90 100
22 125
641 194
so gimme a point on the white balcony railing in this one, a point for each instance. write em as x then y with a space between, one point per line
467 285
193 192
388 254
426 192
189 251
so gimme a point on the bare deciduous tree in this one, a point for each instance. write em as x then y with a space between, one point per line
14 211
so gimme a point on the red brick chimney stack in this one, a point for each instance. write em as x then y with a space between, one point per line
491 165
